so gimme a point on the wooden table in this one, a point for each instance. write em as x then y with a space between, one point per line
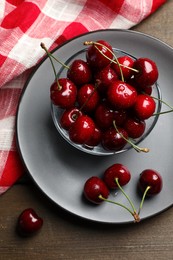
67 237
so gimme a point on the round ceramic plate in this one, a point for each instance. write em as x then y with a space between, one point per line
61 170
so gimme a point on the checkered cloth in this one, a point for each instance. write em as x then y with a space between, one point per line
24 25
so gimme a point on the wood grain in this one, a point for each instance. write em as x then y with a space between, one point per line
65 236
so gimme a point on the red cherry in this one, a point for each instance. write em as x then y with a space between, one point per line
127 63
104 78
116 171
134 127
104 116
93 188
95 138
64 93
144 106
69 116
29 222
113 140
88 98
147 72
82 129
121 95
120 117
150 178
95 59
79 72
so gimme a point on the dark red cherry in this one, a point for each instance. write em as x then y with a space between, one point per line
104 116
150 178
69 116
104 78
95 138
144 106
29 222
134 127
96 59
82 129
88 98
93 188
79 72
127 63
119 171
121 95
120 117
147 73
113 140
64 93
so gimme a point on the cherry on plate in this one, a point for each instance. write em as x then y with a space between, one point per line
95 187
118 171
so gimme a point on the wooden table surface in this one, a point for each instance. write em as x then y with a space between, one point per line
67 237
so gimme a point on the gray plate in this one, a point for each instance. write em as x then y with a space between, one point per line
60 170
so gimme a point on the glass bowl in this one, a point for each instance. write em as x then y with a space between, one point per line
57 112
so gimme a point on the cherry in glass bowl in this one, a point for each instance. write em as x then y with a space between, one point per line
99 150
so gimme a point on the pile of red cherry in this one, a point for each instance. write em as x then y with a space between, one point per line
106 99
97 190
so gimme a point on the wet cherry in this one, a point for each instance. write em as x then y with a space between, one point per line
104 116
69 116
127 63
134 127
82 129
147 73
93 188
116 171
79 72
96 53
121 95
150 178
113 140
63 93
144 106
95 138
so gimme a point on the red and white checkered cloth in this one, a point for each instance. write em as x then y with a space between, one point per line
24 25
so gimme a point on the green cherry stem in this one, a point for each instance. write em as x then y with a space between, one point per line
124 193
165 103
52 56
137 148
143 198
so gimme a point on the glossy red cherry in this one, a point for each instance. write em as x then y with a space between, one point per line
113 140
104 78
147 73
95 138
127 63
93 188
64 93
82 129
121 95
134 127
150 178
120 117
144 106
29 222
96 59
88 98
69 116
118 171
104 116
79 72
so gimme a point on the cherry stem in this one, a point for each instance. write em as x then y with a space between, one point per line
116 62
137 148
165 103
52 56
124 193
143 198
86 101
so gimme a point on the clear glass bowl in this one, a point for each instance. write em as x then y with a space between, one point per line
56 112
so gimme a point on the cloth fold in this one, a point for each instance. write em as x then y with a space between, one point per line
23 26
